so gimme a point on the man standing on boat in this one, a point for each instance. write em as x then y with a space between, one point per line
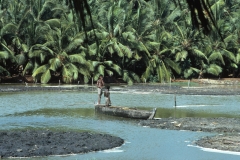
107 96
100 85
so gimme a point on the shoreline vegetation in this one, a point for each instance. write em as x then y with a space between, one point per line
226 130
226 86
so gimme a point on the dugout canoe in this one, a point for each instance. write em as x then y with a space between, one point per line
125 112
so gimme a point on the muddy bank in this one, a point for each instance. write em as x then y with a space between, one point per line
191 90
221 142
158 88
45 143
219 125
39 87
227 130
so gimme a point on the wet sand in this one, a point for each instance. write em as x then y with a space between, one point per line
32 143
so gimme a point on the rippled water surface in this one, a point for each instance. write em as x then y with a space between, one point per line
74 110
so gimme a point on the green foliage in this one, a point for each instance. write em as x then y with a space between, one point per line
152 40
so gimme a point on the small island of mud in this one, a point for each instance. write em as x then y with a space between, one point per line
46 143
227 130
221 142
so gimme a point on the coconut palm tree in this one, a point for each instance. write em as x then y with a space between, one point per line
16 20
113 34
60 53
222 52
162 61
21 23
186 49
65 62
197 9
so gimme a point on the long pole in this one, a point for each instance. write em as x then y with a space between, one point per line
175 102
92 90
92 84
170 82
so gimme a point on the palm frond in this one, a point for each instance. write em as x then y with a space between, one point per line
40 51
199 53
238 56
96 76
108 63
96 63
67 74
173 65
117 69
28 67
9 28
214 69
216 55
160 74
7 49
16 42
92 49
234 65
129 36
116 30
40 70
118 49
4 55
3 71
101 69
181 56
54 63
53 23
147 73
229 55
181 32
127 78
130 77
126 50
46 76
77 58
109 72
217 4
174 14
84 70
21 58
189 72
47 5
152 45
166 50
74 69
144 48
229 38
25 48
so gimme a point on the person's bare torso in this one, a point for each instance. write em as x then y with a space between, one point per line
100 83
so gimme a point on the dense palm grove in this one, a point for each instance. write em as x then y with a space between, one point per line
134 40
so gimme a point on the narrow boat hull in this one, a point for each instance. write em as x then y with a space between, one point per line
125 112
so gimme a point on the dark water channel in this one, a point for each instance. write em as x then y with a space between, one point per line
74 110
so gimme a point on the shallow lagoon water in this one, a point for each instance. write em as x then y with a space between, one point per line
74 110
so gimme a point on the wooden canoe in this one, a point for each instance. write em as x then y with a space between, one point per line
125 112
